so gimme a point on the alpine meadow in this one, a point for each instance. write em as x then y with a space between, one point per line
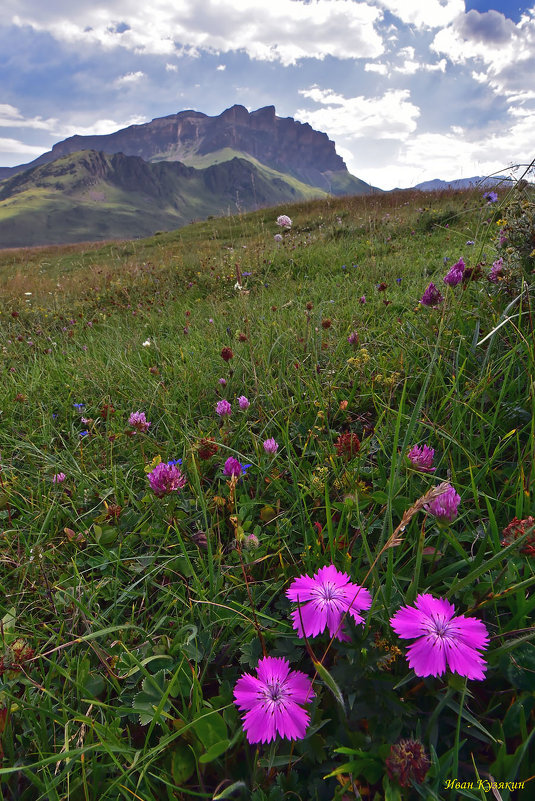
267 505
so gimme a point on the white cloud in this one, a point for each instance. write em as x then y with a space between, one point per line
171 67
281 30
98 127
382 69
385 117
12 117
16 146
221 67
130 77
425 13
490 40
453 154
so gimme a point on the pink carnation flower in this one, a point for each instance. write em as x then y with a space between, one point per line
272 701
223 408
138 421
422 458
324 599
442 639
445 506
166 478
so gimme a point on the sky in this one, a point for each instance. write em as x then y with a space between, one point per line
409 90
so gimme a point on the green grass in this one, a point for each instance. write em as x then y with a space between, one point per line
127 618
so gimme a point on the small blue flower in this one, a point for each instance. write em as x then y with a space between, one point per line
78 405
246 274
84 433
344 267
244 468
398 280
174 461
470 242
446 259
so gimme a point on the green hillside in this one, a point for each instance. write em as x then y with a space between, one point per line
96 196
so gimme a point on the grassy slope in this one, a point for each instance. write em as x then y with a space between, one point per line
156 603
63 203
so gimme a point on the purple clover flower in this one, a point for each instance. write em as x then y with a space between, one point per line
444 508
272 701
284 221
454 275
166 478
496 271
422 458
443 640
223 408
323 600
353 338
243 402
58 478
271 446
232 467
431 297
138 421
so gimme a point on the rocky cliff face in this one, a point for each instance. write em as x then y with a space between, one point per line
281 143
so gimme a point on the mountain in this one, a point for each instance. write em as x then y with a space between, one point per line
464 183
161 174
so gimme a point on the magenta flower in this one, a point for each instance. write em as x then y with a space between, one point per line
431 297
422 458
323 600
166 478
445 506
362 299
232 467
271 446
223 408
222 381
454 275
58 478
353 338
496 271
442 639
243 402
138 421
272 701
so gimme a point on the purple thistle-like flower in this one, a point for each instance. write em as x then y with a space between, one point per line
491 197
271 446
166 478
138 421
223 408
243 402
445 506
232 467
454 275
353 338
443 640
362 299
431 297
272 701
324 599
422 458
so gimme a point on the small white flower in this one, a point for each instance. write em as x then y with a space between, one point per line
147 343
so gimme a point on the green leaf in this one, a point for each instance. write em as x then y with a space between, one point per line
211 729
229 790
182 764
326 677
214 751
